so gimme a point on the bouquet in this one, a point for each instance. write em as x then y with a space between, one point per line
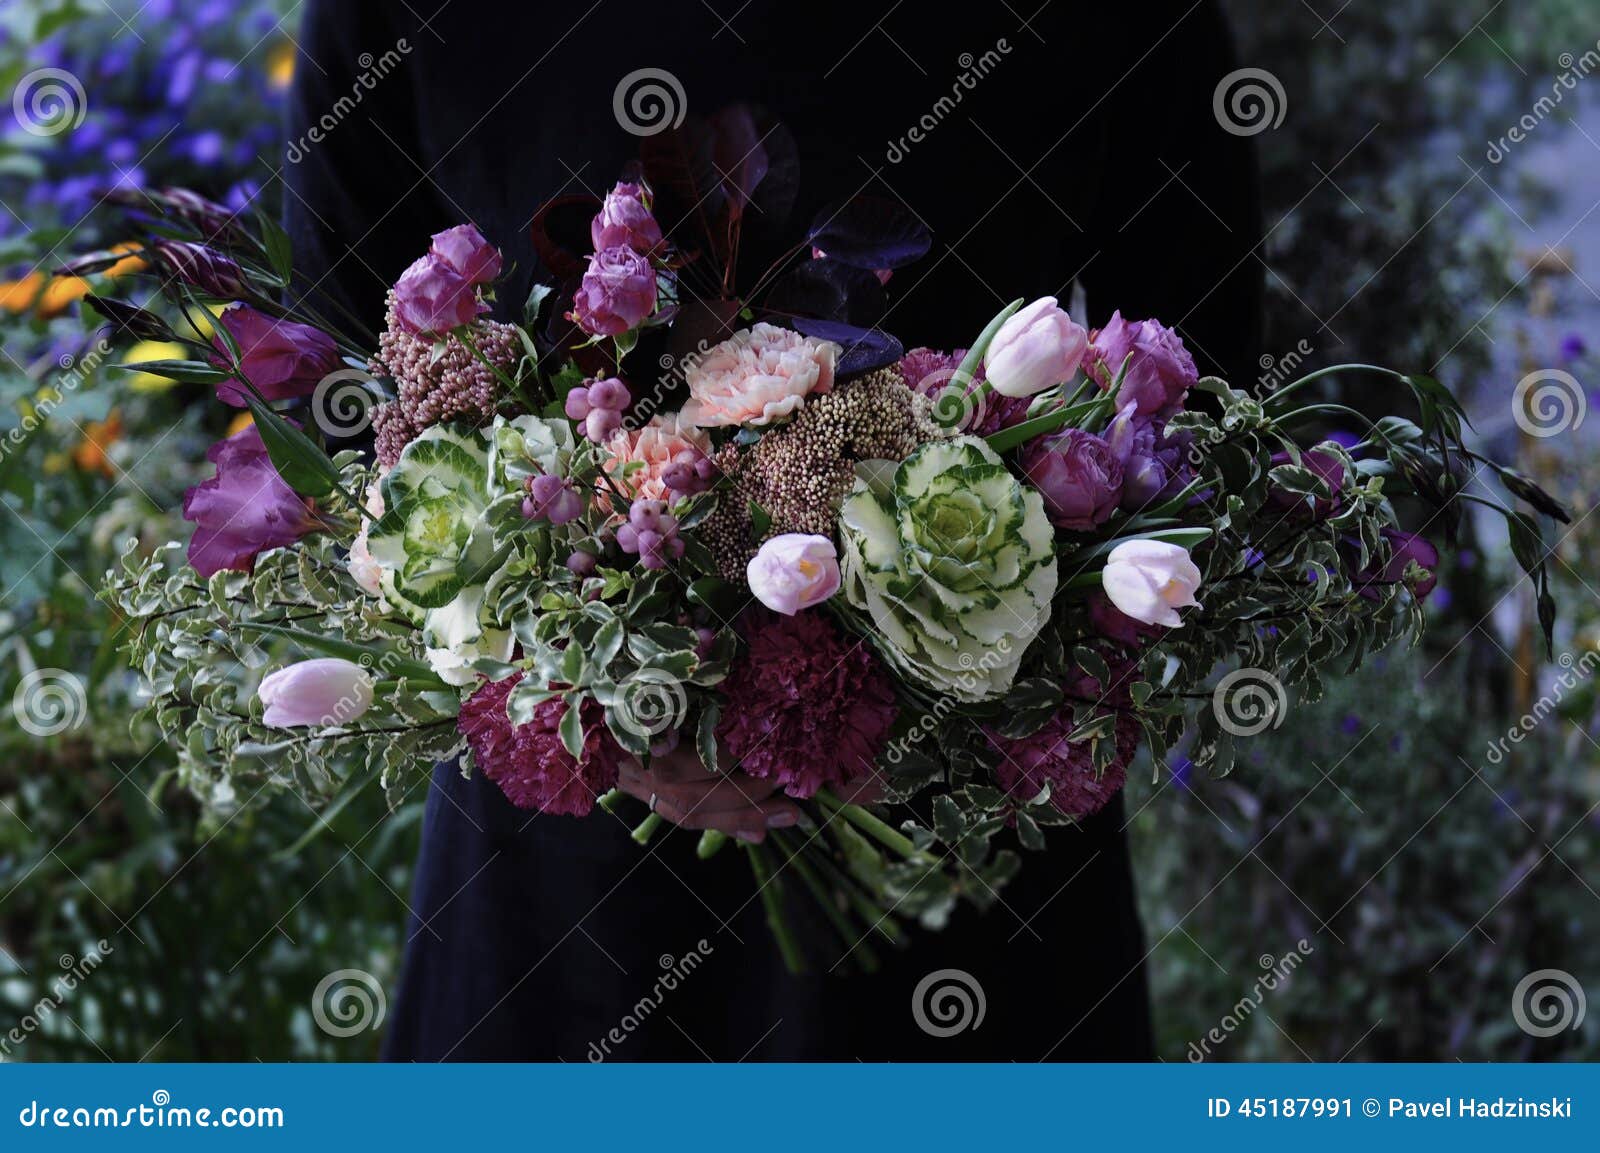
677 517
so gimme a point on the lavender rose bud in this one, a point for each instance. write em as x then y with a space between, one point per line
618 293
624 220
1159 374
322 692
201 268
245 509
1078 475
465 251
279 357
431 296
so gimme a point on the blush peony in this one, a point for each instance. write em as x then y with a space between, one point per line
656 445
758 376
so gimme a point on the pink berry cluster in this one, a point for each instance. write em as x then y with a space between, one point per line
599 406
652 533
553 499
690 472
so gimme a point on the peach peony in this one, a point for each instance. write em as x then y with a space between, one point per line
655 445
757 376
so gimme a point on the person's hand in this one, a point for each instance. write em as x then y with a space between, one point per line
680 788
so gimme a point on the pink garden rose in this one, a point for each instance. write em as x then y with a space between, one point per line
467 253
281 358
431 296
760 375
1079 476
656 446
245 509
625 221
618 293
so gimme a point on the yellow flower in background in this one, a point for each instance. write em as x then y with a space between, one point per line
280 65
152 350
91 452
239 423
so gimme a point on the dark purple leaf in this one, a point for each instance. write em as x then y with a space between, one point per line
740 156
560 232
681 168
871 232
864 348
828 290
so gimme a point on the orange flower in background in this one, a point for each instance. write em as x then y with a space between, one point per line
280 65
239 423
90 454
19 295
50 296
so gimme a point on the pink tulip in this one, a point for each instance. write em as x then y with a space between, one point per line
323 692
1038 348
794 571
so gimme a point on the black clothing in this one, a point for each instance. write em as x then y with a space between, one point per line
1081 145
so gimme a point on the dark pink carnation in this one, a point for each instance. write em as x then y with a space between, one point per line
928 372
245 509
529 762
1046 757
805 707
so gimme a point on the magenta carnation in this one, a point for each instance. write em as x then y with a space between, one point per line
1046 757
804 707
928 371
529 762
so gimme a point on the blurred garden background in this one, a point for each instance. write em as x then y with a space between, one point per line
1428 876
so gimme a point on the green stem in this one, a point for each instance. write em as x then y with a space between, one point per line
889 838
772 901
647 828
825 897
710 845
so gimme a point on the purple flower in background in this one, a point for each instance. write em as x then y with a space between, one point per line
431 296
245 509
1328 468
625 221
1404 547
281 358
465 250
1078 475
618 293
1572 346
1159 374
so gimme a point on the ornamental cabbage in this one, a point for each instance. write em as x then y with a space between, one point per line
954 560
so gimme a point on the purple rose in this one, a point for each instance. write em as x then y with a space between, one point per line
1078 475
1404 547
1161 370
625 221
431 296
245 509
465 251
1327 467
618 292
281 358
1153 462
